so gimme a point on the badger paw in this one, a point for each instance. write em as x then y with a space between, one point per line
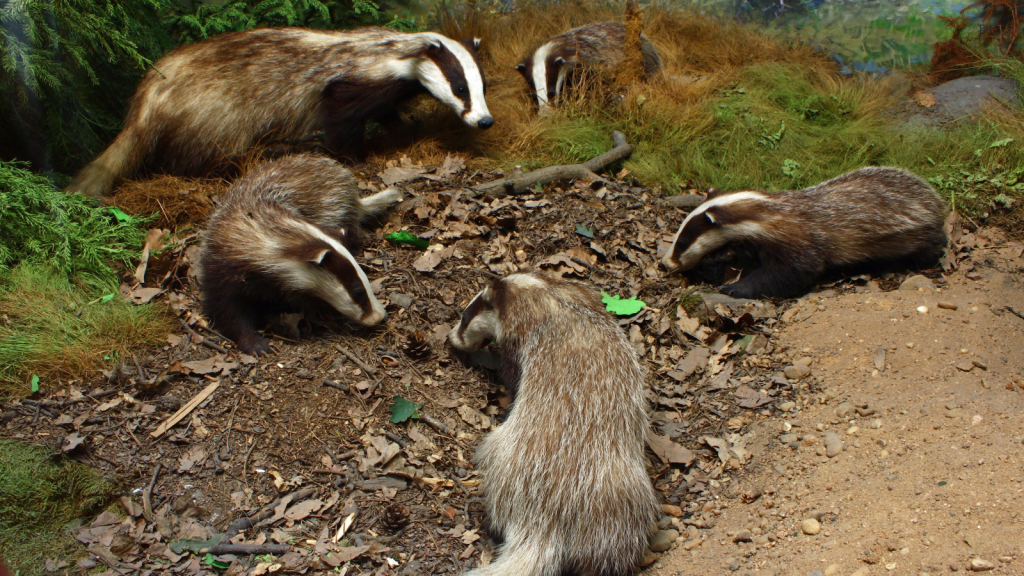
253 344
739 290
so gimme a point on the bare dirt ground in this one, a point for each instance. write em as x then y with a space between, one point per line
305 462
928 406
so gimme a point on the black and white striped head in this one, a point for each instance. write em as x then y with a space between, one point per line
315 262
545 71
451 72
721 219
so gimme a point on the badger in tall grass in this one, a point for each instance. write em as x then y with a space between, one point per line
871 217
550 67
564 476
206 104
283 239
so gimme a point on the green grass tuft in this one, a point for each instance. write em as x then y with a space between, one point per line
40 498
51 327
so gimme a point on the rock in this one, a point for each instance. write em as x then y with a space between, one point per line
805 361
761 540
833 444
789 438
862 571
956 101
401 300
922 309
979 565
665 523
743 536
980 364
844 410
831 569
649 558
787 406
876 424
916 281
692 533
672 510
816 514
947 306
810 526
809 440
852 430
663 540
795 372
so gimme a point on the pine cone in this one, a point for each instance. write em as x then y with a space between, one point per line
396 516
416 345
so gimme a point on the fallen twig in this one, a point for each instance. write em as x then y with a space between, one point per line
519 184
50 404
250 549
685 201
203 339
351 356
184 411
435 423
335 385
147 495
267 511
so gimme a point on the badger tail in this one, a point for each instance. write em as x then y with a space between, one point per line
120 160
531 557
379 202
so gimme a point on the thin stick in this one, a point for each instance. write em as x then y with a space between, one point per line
267 511
521 184
351 356
185 410
147 496
435 423
250 549
204 340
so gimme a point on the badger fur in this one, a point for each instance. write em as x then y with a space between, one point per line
205 104
549 68
283 238
564 476
868 217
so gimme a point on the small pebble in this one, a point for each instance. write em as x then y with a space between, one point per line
844 410
947 306
743 536
922 309
789 438
852 430
810 440
663 540
805 361
787 406
833 444
796 372
810 526
876 424
672 510
979 565
910 345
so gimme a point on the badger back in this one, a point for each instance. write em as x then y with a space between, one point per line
279 254
547 69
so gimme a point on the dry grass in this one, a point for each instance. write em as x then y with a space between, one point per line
176 201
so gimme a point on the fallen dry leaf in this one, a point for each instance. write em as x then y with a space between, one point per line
474 417
924 99
747 397
669 451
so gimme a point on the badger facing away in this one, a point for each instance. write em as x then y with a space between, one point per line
282 239
564 476
204 105
868 217
549 68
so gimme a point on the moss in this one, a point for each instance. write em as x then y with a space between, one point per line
691 301
40 498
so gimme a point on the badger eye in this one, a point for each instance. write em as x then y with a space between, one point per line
460 90
359 293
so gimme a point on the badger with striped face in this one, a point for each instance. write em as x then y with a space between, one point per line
564 477
549 69
868 218
205 105
282 240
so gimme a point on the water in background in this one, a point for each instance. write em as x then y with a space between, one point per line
864 35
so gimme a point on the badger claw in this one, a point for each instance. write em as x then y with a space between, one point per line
253 344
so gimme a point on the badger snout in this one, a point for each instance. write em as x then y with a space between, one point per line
670 263
375 317
485 122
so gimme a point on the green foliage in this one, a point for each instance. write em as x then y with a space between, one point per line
68 231
620 307
402 410
406 237
39 497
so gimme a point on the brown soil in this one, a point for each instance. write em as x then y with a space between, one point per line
309 419
933 478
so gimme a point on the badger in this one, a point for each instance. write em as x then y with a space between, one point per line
868 218
564 477
283 238
204 105
549 68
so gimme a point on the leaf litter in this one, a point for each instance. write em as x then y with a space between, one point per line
220 449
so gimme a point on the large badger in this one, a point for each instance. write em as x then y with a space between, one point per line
284 237
550 67
564 477
204 105
868 217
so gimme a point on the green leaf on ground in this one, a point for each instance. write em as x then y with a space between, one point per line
402 410
35 383
405 237
1000 143
622 307
584 231
121 216
211 561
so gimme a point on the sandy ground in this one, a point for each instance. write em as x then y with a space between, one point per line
931 477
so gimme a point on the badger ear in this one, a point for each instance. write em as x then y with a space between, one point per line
559 60
711 217
712 192
520 67
476 43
